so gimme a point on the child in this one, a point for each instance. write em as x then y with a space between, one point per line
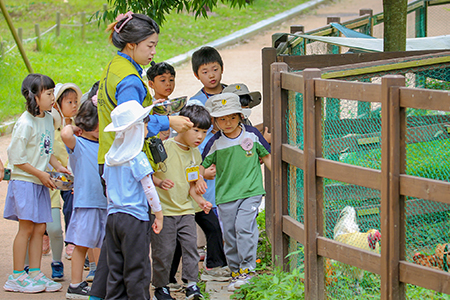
28 198
131 194
67 98
175 187
235 150
89 205
207 65
161 78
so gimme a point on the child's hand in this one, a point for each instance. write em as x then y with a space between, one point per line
267 135
46 180
158 223
166 184
77 130
200 186
206 207
180 123
210 173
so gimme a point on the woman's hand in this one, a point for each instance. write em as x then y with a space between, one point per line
180 124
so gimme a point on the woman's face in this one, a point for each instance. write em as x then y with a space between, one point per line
143 52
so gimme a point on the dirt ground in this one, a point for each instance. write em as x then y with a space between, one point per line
242 64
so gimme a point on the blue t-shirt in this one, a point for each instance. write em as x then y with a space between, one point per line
124 188
87 191
210 194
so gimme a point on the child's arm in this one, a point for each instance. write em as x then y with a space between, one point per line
210 173
200 184
153 202
165 184
67 135
44 177
267 161
205 205
57 165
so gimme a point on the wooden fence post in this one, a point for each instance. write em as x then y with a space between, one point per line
269 56
83 25
278 101
332 49
38 37
368 29
314 274
392 208
105 7
58 24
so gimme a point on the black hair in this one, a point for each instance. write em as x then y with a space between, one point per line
137 29
198 115
160 69
64 94
205 55
87 116
245 100
32 86
94 90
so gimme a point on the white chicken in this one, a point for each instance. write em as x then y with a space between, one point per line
347 231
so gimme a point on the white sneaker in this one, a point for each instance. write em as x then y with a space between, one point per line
50 285
23 284
216 274
234 277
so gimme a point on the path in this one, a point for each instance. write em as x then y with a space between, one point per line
242 63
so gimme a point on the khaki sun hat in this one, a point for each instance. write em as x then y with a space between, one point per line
223 105
241 89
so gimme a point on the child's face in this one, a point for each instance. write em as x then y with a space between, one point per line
193 137
229 125
210 75
143 52
163 85
46 100
69 105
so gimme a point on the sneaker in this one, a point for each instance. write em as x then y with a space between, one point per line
234 277
244 278
174 287
216 274
50 285
90 276
162 293
57 270
23 284
80 292
26 269
46 245
193 292
69 251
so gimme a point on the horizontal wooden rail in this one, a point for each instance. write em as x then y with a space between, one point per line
425 99
294 229
334 170
292 82
424 188
292 155
425 277
361 91
349 255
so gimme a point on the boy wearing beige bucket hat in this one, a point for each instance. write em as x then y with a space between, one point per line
235 150
131 194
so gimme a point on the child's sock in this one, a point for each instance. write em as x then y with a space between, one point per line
191 283
92 266
75 285
17 274
34 272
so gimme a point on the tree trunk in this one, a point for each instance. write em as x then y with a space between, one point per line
395 13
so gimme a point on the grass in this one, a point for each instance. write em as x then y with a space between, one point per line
67 58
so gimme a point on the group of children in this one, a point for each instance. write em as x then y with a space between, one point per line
121 196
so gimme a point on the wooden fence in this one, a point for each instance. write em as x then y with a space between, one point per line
391 180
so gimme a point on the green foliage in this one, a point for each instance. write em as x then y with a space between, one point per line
264 251
274 286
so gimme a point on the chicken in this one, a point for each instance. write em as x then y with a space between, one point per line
438 260
347 231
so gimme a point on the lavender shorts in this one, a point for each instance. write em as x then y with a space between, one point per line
87 227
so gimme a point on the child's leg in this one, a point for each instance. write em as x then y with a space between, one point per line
98 288
78 257
214 242
35 244
20 244
227 213
55 234
247 232
95 254
187 236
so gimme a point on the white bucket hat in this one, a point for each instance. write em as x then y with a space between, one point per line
127 114
241 89
223 105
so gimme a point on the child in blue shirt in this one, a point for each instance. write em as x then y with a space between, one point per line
131 194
